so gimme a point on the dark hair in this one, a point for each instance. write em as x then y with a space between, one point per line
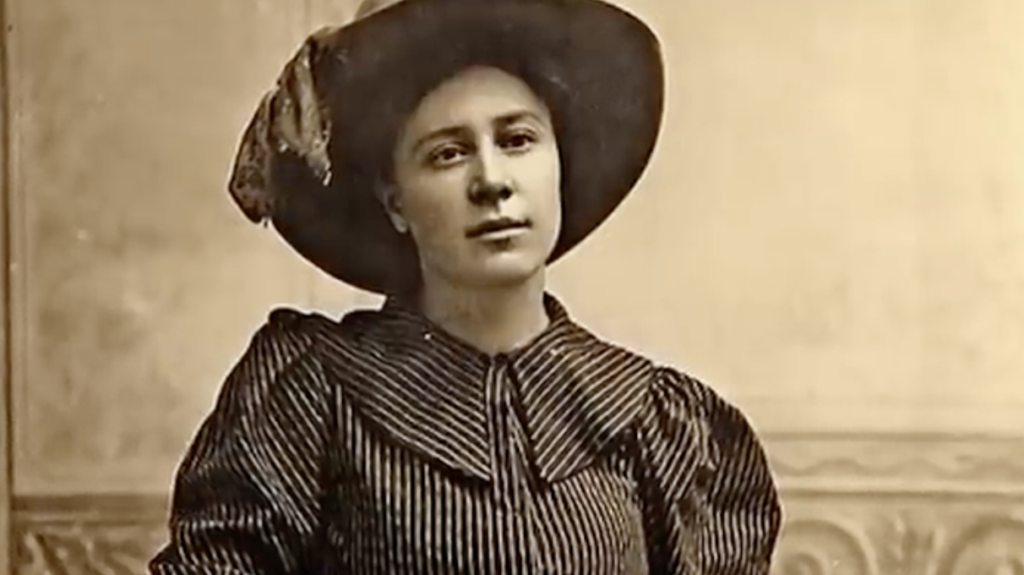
369 152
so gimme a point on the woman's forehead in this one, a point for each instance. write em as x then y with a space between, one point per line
477 92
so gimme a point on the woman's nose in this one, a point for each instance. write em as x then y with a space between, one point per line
490 183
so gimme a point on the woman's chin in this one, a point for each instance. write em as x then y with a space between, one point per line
506 269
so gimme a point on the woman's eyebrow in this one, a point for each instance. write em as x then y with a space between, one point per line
506 120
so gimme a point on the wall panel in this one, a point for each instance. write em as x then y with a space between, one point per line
137 281
5 307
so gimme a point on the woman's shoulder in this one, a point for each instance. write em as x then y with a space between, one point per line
673 396
290 337
290 334
291 352
682 403
675 387
669 388
306 330
283 342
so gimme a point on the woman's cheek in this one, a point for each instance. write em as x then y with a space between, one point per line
438 220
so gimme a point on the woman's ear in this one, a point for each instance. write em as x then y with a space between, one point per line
389 197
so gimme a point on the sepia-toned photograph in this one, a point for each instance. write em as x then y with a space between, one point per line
574 287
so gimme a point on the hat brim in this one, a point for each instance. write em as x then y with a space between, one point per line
597 67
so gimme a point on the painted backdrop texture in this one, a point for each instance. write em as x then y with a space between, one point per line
831 233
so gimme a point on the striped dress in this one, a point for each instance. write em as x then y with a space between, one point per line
380 444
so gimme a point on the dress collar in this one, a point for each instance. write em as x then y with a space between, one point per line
576 392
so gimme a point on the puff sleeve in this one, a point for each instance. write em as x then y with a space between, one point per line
247 496
710 502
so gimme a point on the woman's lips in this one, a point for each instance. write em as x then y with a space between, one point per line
497 228
502 234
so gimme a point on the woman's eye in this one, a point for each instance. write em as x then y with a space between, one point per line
446 156
518 141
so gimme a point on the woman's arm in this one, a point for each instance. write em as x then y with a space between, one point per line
247 497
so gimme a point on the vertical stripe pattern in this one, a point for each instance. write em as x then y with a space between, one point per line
381 445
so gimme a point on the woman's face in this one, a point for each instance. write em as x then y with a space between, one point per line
477 181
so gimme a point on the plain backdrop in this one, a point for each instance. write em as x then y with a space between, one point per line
831 232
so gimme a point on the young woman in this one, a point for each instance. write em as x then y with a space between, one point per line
443 153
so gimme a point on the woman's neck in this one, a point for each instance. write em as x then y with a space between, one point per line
493 320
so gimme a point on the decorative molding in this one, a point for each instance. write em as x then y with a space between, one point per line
994 547
72 548
905 541
921 464
811 546
101 535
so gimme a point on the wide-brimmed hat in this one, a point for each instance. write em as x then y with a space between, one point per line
313 154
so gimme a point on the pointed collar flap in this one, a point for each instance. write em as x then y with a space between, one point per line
425 388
